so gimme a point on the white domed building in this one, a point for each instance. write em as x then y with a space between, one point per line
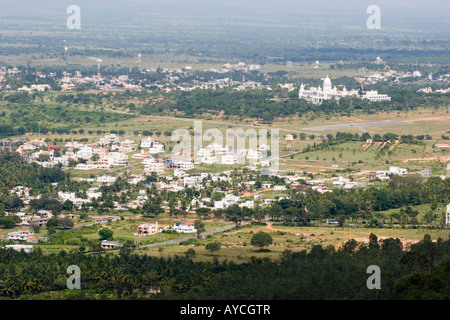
317 95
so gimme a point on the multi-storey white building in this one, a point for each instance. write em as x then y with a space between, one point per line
157 147
157 167
85 152
21 235
375 96
109 138
117 159
127 146
146 229
185 165
147 142
397 170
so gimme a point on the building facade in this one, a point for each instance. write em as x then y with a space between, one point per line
317 95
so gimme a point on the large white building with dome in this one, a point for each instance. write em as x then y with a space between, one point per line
317 95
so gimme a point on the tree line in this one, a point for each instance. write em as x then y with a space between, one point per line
421 272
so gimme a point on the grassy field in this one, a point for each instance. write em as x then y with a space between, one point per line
236 243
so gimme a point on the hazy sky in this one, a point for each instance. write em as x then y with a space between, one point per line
251 8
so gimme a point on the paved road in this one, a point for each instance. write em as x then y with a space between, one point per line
358 125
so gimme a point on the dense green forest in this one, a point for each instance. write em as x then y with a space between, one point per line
323 273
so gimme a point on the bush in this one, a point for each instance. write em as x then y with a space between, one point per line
256 223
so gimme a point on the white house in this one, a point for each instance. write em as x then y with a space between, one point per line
66 195
397 171
110 244
248 204
230 199
147 142
156 148
186 227
189 181
19 247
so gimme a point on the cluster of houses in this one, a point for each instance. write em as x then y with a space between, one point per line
69 82
172 80
182 180
216 153
108 152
